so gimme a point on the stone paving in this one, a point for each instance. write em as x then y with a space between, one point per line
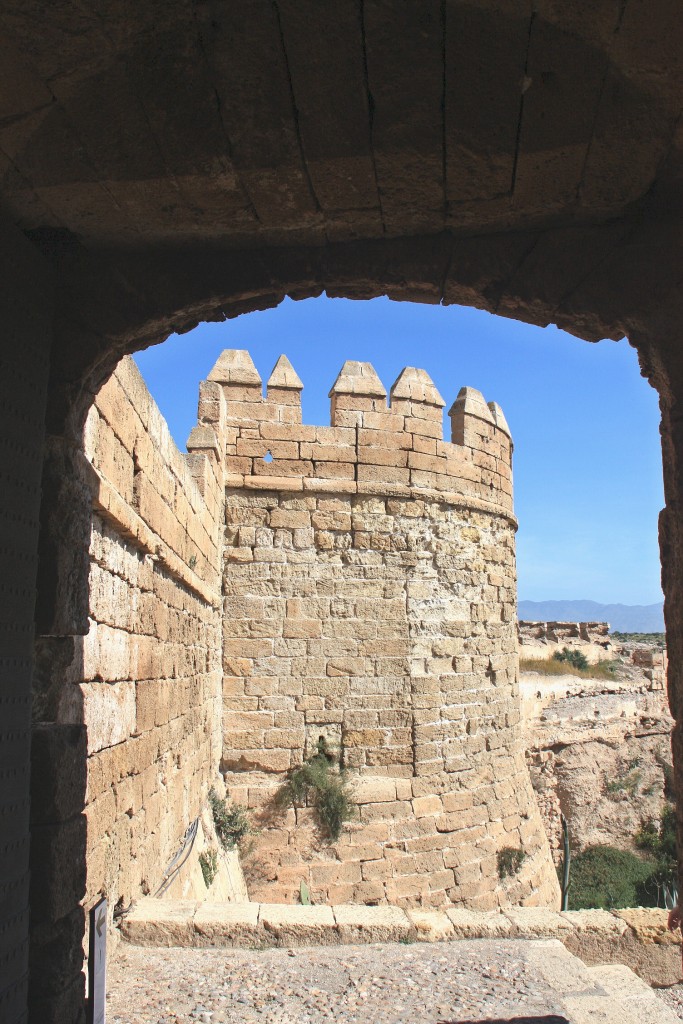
478 981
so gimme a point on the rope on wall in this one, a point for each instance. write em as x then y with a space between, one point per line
173 869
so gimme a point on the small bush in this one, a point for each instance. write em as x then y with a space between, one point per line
231 822
510 860
577 659
625 785
208 862
658 839
326 786
607 878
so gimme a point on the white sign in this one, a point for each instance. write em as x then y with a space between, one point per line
97 964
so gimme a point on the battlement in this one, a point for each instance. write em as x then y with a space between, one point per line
372 445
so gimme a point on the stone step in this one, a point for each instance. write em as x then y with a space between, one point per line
605 994
631 1000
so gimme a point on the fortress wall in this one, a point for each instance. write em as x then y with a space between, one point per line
148 687
369 582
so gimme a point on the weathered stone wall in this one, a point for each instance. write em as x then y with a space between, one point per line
370 599
145 680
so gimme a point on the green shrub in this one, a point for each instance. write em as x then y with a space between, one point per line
574 658
509 861
658 839
231 822
624 785
208 862
607 878
325 786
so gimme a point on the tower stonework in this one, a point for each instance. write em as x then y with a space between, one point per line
370 599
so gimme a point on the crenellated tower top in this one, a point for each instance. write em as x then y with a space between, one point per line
372 445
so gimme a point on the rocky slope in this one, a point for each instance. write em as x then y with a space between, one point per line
598 749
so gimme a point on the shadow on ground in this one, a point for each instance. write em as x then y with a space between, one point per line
552 1019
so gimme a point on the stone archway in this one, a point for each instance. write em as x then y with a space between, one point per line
64 472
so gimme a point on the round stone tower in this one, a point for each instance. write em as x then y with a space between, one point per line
370 599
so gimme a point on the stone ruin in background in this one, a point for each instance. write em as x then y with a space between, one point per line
544 639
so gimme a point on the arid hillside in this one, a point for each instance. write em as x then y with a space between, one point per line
597 739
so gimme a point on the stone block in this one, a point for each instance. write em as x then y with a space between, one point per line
160 922
303 629
363 737
336 472
472 924
228 924
426 805
372 924
537 922
648 924
299 926
602 922
372 789
332 520
431 925
289 519
333 872
256 760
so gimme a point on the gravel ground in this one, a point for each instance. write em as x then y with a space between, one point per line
374 984
673 997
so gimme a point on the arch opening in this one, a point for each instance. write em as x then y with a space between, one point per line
204 450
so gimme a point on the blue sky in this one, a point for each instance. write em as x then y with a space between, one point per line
587 463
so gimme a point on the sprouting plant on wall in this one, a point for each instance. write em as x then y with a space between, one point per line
208 862
322 783
192 562
230 820
510 860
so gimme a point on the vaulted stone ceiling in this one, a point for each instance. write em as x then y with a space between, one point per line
180 160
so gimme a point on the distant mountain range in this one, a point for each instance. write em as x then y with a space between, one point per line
623 618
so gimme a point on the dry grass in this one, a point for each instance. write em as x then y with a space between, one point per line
551 667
